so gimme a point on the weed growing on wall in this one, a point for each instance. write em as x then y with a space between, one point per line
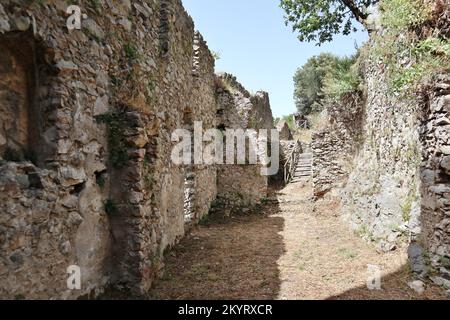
409 56
118 155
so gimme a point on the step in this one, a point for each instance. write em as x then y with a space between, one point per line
301 175
299 180
304 165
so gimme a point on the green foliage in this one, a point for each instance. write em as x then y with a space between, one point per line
429 56
320 20
322 77
445 262
216 54
289 119
407 206
343 79
118 154
131 51
409 59
403 14
95 4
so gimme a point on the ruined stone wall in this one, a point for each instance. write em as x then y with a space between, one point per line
397 193
52 216
393 181
284 131
241 186
204 106
126 78
334 147
381 198
435 179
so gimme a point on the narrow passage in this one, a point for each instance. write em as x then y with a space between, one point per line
292 249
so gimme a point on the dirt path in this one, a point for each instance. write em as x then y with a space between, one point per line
288 251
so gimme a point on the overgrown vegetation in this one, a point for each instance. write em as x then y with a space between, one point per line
411 49
324 78
118 155
131 51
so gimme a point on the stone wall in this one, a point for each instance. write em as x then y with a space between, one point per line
241 186
334 146
205 107
386 158
86 176
435 178
284 131
381 198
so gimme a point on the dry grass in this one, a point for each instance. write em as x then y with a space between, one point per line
292 251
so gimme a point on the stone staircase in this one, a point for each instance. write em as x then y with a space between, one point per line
303 171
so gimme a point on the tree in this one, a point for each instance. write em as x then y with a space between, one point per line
308 82
320 20
321 78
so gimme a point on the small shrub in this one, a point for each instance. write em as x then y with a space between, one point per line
216 54
407 206
95 4
445 262
341 81
402 14
131 51
409 60
118 154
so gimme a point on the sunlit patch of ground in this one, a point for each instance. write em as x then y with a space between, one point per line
287 251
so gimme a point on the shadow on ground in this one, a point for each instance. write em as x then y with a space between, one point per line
229 258
394 286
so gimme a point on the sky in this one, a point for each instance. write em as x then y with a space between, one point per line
257 47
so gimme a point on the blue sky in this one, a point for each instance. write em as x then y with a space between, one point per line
257 47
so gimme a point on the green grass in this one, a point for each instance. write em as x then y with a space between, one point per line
410 60
398 15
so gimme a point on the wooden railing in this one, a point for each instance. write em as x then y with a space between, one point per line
292 161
